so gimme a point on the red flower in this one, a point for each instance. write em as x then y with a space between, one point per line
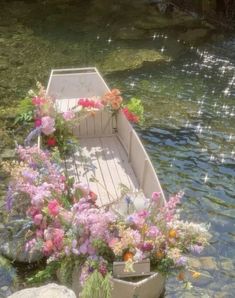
51 141
130 115
37 101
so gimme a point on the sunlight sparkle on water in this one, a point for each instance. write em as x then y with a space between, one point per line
132 84
212 157
206 178
154 36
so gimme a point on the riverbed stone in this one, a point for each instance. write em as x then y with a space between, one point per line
205 263
127 59
227 264
7 154
194 35
48 291
12 242
7 277
130 33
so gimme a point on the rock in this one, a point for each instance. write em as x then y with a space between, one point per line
126 59
7 154
205 263
12 242
48 291
227 264
194 35
7 277
3 66
230 288
155 20
130 33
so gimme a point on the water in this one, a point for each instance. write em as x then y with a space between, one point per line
189 130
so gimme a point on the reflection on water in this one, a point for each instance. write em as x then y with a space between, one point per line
189 102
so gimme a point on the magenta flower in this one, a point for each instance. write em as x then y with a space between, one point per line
53 207
37 122
48 125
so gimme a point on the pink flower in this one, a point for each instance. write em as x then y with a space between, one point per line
37 122
37 219
48 125
68 115
39 233
153 231
53 207
156 196
58 238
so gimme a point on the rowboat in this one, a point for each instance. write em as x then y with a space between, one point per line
111 155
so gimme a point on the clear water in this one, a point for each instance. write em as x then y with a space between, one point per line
190 104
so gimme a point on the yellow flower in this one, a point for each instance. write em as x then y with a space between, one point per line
172 233
196 274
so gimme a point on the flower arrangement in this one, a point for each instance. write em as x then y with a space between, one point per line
57 127
69 228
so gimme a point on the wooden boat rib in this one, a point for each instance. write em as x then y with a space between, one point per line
111 154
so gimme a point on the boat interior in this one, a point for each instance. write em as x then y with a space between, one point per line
111 158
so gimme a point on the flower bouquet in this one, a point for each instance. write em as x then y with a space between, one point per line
73 232
57 128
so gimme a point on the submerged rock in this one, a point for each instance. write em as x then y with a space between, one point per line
204 263
127 59
12 243
48 291
7 277
194 35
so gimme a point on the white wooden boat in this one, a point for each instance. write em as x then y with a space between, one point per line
109 144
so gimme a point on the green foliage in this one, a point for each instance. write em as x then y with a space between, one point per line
164 265
104 250
24 111
66 270
45 274
97 286
136 107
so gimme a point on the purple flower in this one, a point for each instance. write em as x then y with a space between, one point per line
181 261
33 134
196 248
